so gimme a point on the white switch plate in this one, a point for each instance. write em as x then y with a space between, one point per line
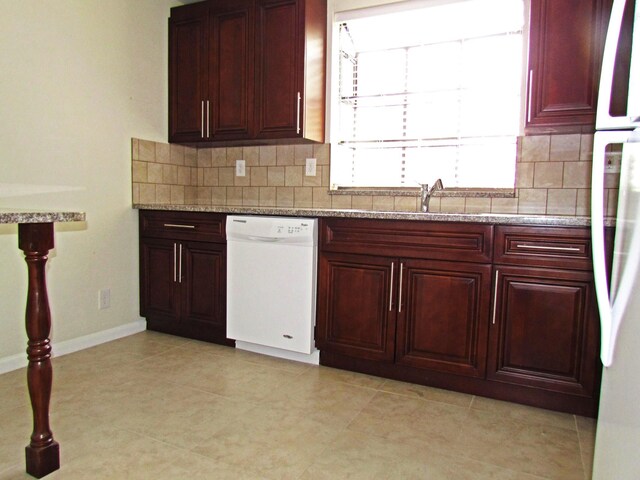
104 298
240 164
310 170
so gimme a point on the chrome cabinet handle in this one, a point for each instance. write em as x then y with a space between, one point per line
548 247
208 131
400 291
495 298
202 119
175 225
530 96
298 115
180 266
391 288
174 263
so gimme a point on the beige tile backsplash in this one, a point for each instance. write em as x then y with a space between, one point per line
553 177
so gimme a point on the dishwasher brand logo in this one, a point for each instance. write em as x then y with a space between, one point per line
239 221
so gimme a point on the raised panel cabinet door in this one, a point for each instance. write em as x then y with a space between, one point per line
279 68
188 72
356 306
231 79
202 277
545 333
565 49
158 292
444 316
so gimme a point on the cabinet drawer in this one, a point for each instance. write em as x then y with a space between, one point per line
466 242
207 227
564 247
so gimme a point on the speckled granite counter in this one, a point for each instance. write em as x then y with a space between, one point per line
35 216
503 219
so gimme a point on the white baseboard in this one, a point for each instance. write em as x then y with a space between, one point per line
15 362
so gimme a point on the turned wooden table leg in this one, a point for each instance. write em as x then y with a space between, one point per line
43 453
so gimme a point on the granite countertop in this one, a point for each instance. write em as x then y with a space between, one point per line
514 219
38 216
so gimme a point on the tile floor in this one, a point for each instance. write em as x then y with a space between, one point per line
161 407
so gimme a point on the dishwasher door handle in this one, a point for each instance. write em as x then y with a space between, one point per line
256 238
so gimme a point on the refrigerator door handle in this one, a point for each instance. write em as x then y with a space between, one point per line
610 311
604 119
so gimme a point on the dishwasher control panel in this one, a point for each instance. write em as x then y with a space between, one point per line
292 230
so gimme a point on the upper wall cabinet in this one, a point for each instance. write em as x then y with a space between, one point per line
565 49
247 71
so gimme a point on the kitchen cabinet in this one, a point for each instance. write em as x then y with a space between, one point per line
566 41
503 311
211 71
545 326
183 274
408 309
443 309
247 72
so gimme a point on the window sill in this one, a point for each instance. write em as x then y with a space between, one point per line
415 192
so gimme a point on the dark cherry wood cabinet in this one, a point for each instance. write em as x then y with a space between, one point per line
545 327
566 42
247 71
502 311
442 316
423 313
211 71
357 314
183 274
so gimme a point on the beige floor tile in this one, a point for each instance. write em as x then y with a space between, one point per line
427 393
15 429
413 421
271 442
360 456
156 406
532 448
524 413
13 390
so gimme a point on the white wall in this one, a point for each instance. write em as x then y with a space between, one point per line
79 79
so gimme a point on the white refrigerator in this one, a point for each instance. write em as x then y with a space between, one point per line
617 148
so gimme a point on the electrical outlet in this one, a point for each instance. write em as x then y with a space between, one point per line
104 298
240 170
310 170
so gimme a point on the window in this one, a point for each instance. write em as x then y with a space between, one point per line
427 93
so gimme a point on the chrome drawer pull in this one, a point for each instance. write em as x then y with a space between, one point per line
553 249
400 291
495 298
174 225
391 288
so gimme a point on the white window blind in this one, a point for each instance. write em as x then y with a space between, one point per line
429 93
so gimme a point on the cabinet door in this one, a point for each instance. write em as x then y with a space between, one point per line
188 72
444 316
356 310
159 297
545 333
565 50
279 68
231 81
202 278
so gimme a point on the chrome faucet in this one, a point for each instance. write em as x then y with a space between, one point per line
425 193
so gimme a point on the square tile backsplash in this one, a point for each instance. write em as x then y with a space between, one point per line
553 177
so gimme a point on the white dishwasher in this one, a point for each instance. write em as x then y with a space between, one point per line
271 285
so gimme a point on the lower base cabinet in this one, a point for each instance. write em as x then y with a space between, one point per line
524 329
545 330
182 277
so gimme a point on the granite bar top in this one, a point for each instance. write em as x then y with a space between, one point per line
37 216
502 219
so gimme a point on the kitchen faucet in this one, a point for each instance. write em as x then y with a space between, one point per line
425 193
